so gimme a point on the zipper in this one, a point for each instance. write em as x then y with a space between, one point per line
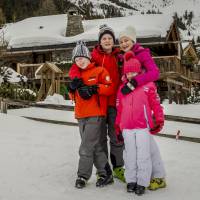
146 118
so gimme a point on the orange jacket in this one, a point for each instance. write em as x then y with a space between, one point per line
110 63
97 104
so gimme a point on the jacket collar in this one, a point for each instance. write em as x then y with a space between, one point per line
99 49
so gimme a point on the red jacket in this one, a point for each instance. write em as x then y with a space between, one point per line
97 104
110 63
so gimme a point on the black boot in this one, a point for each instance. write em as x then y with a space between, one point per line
104 180
108 169
80 182
131 187
139 190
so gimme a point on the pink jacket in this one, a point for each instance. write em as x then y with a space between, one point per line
134 111
147 62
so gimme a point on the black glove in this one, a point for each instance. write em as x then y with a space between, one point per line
129 87
75 84
120 138
86 92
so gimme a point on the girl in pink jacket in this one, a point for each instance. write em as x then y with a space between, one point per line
134 119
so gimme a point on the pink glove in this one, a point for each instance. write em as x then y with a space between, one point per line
157 128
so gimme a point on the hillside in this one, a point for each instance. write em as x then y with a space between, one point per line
187 10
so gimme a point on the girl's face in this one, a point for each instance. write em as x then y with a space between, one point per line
107 42
125 44
82 62
130 75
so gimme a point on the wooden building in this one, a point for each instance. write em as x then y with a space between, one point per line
176 60
50 76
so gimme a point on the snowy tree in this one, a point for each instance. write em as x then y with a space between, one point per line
195 95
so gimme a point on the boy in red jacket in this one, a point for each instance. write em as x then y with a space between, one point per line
90 94
105 55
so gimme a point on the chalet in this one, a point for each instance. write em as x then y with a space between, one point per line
51 38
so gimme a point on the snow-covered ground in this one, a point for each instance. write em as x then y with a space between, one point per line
39 162
189 110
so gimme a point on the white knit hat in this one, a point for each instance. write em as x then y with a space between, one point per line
80 50
129 32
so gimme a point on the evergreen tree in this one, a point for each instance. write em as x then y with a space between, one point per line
2 17
185 16
198 39
47 7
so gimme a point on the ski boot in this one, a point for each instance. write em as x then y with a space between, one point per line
118 172
157 183
104 180
131 187
139 190
80 182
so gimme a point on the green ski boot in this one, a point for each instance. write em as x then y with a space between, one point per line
118 172
157 183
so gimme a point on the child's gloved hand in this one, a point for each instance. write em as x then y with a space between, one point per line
156 129
119 135
75 84
120 138
129 87
86 92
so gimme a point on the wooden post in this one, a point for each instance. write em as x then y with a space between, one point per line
3 106
169 92
58 90
18 68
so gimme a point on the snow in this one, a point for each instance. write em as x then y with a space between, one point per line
184 45
39 161
55 99
50 30
189 110
186 110
13 76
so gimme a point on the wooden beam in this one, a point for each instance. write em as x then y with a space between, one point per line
169 80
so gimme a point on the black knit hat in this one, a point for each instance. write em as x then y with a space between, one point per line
80 50
105 29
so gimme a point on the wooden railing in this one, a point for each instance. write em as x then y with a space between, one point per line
168 64
172 65
195 76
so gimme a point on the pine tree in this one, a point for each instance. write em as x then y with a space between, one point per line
198 39
2 17
47 7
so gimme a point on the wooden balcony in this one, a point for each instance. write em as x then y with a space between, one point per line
170 66
195 76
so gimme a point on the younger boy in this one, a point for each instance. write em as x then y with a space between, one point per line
90 94
105 54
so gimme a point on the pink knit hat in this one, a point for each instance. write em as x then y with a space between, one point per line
131 63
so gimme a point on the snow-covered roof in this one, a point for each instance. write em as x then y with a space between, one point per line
50 30
185 45
46 66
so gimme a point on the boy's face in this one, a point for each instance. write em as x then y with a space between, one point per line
107 42
125 44
82 62
130 75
